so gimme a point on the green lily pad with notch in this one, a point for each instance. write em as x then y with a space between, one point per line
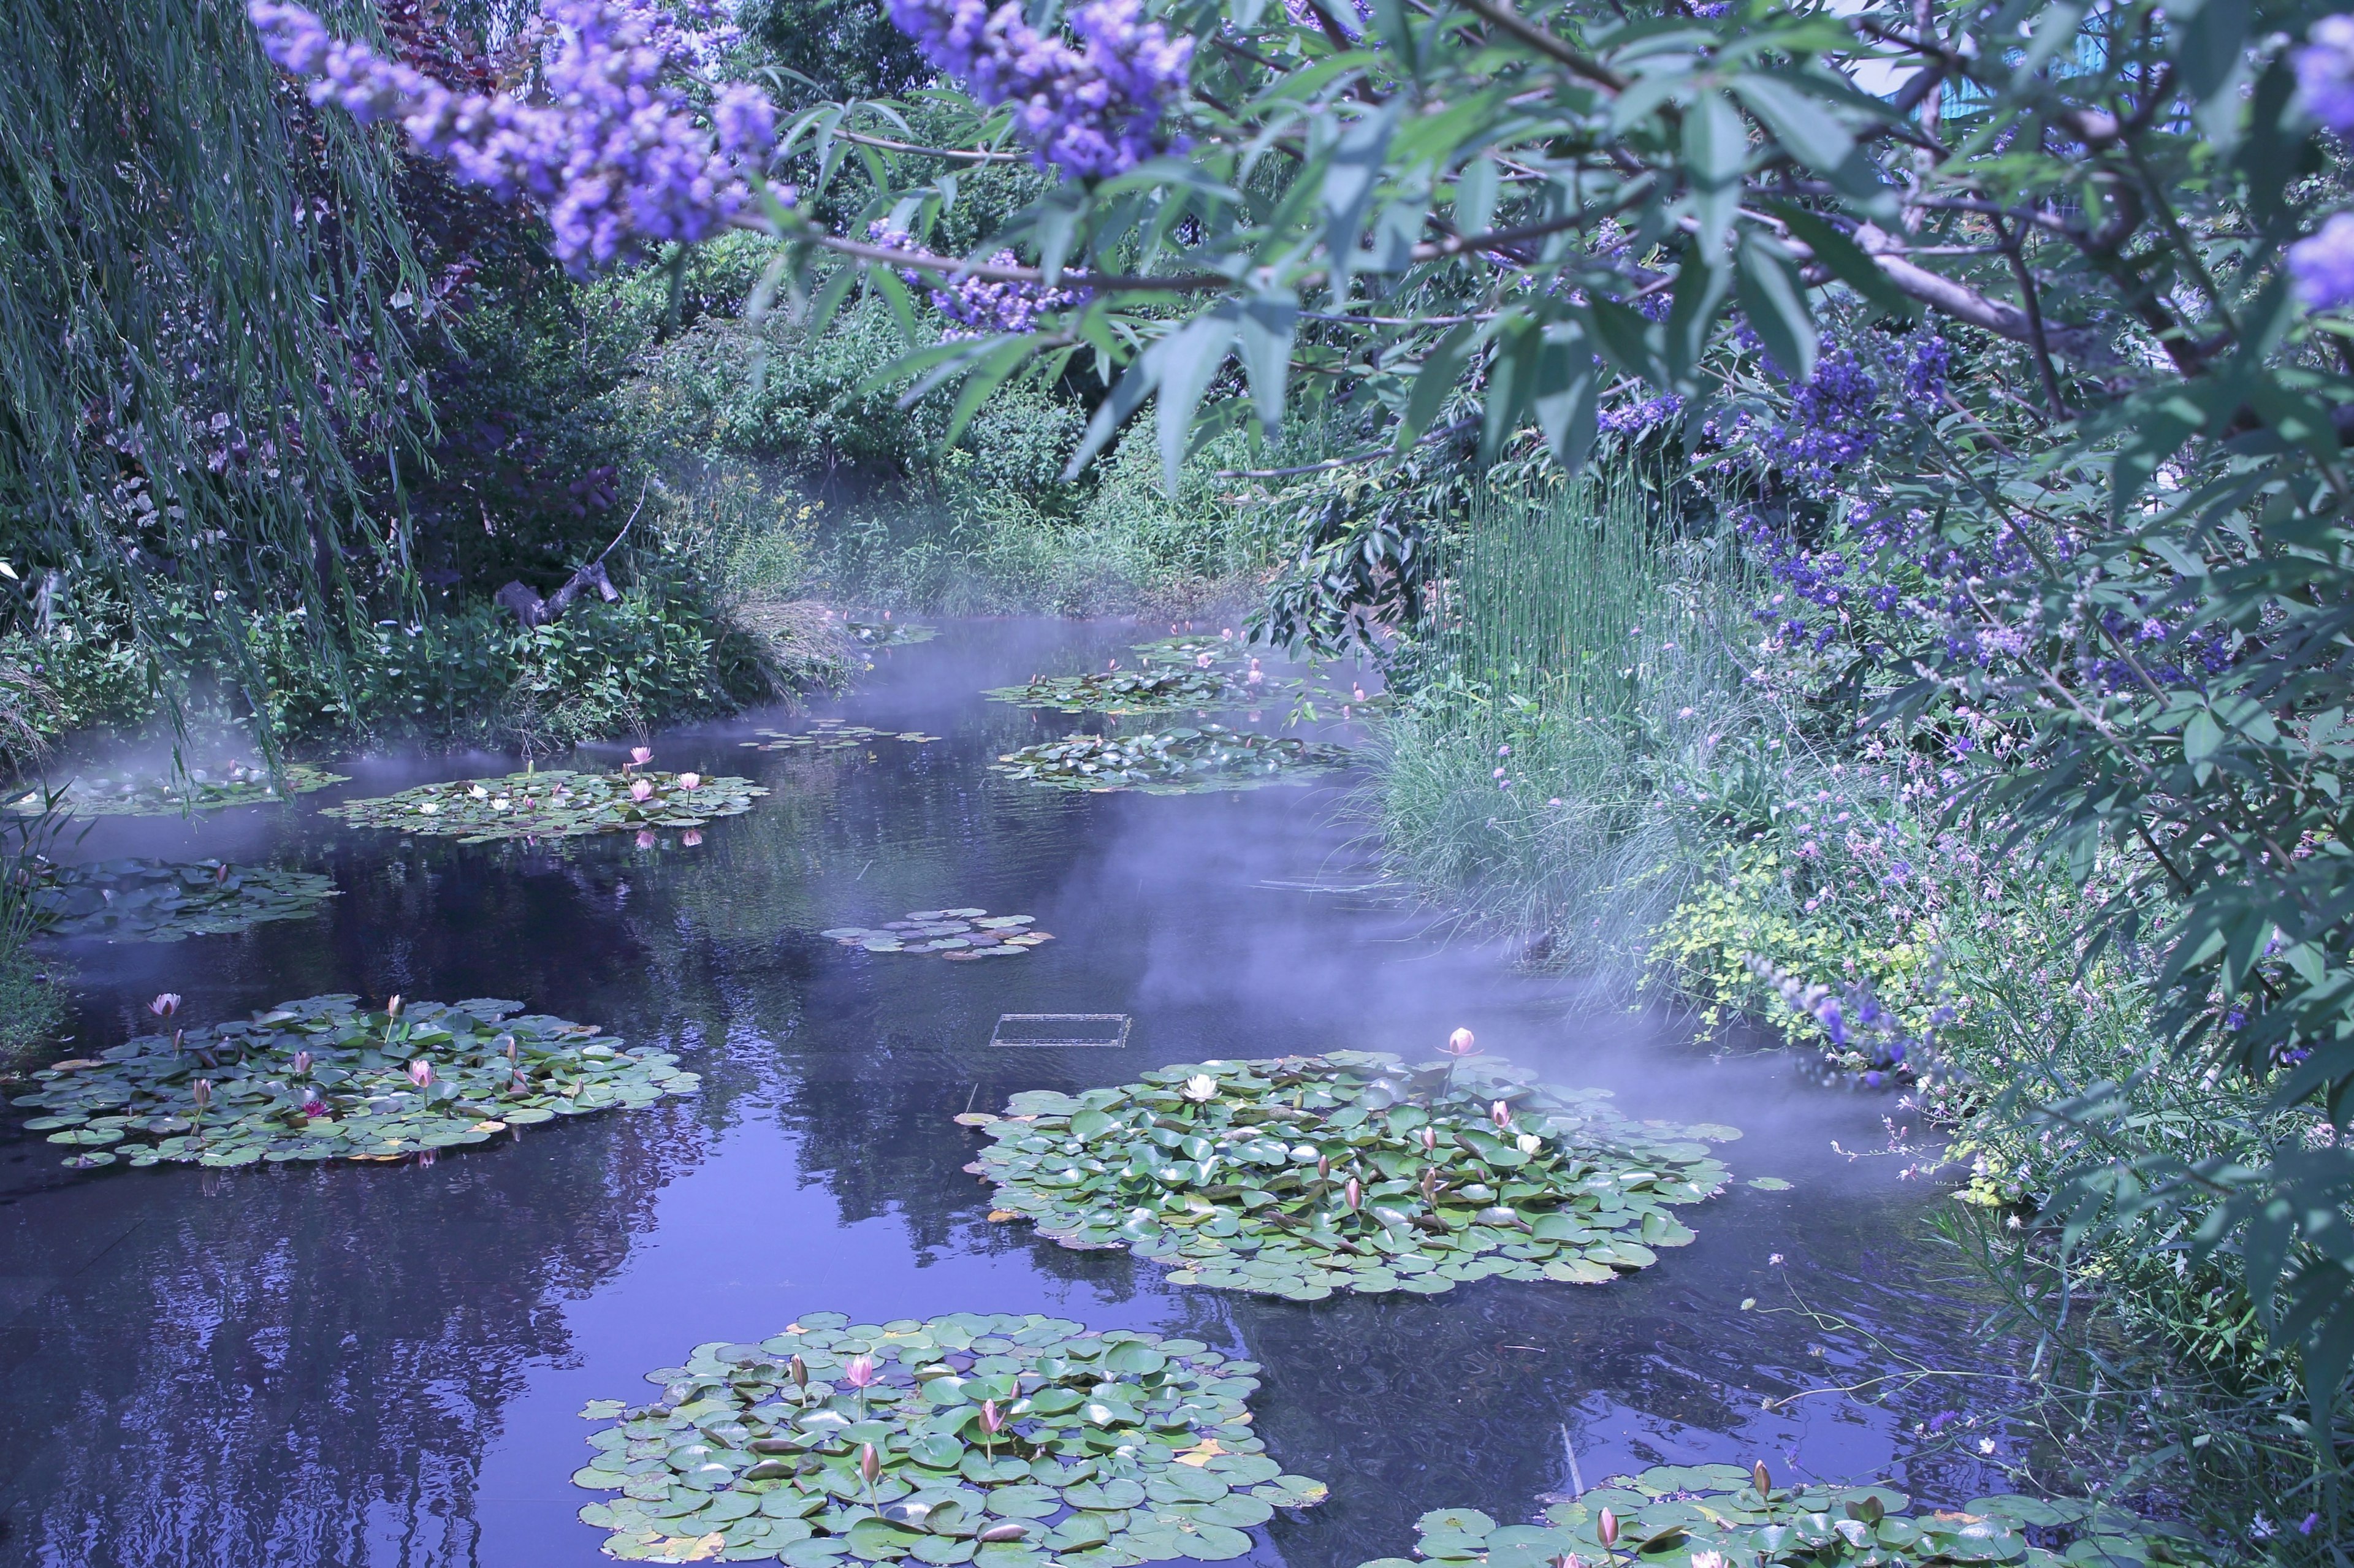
1077 1482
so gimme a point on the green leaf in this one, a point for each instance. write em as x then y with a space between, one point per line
1264 332
1773 297
1716 151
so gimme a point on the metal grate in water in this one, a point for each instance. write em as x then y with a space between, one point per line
1099 1031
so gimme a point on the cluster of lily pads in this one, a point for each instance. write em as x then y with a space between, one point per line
162 901
833 734
1177 761
1721 1516
1003 1441
554 804
888 633
324 1078
1303 1175
957 935
166 795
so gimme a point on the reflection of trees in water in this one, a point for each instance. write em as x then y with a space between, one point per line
304 1366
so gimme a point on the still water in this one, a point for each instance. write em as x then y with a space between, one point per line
382 1365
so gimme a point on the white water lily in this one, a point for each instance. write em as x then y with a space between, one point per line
501 804
479 793
1529 1143
1201 1087
428 807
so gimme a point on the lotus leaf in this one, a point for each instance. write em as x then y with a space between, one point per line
162 795
1304 1175
161 901
1710 1515
960 936
1177 761
888 634
552 805
358 1096
833 734
1171 673
943 1440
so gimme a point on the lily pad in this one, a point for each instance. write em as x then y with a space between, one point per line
325 1079
553 804
993 1439
888 634
826 735
164 901
1305 1175
1178 761
1176 672
163 795
1709 1515
960 936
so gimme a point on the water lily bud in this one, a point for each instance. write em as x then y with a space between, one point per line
302 1063
1430 1183
993 1420
640 755
1324 1167
510 1048
204 1093
1429 1139
690 780
800 1371
392 1007
1607 1527
1352 1193
179 1039
870 1463
420 1073
1763 1479
1459 1043
165 1004
1501 1114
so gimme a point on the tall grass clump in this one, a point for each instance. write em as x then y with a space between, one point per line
1580 676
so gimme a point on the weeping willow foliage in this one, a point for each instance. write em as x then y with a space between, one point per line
202 373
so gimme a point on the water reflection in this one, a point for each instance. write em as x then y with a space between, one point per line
382 1365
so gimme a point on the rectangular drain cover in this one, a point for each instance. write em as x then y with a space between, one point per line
1099 1030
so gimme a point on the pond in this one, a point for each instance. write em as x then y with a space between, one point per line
385 1363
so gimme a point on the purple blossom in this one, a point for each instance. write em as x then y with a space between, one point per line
1091 111
977 308
2323 265
2325 73
616 156
1835 418
1635 419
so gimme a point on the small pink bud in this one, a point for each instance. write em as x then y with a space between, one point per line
800 1371
993 1420
1607 1527
870 1463
1501 1114
1763 1479
1324 1166
301 1062
165 1005
1352 1193
1459 1043
1430 1140
420 1073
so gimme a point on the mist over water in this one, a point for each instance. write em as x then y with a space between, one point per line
378 1365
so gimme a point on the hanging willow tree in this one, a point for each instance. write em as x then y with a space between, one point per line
201 372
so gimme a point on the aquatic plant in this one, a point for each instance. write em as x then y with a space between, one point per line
833 734
553 804
324 1078
957 935
888 634
1012 1442
167 901
1174 762
1123 691
1303 1175
165 795
1708 1516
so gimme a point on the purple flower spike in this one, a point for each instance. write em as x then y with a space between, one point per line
2323 265
2325 73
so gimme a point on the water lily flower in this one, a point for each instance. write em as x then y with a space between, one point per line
1459 1043
501 804
314 1107
1203 661
1501 1114
1201 1088
1529 1143
640 755
478 793
302 1063
429 808
860 1372
203 1090
165 1005
692 837
993 1420
420 1073
645 838
1708 1559
641 791
690 780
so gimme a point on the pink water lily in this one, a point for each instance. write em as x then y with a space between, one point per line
641 791
860 1372
165 1005
692 837
690 780
302 1063
1429 1139
1501 1114
640 755
1352 1193
993 1420
1607 1527
420 1073
314 1107
1459 1043
645 838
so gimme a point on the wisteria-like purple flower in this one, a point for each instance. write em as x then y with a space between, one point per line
979 308
2324 72
2323 265
1635 419
1090 111
616 156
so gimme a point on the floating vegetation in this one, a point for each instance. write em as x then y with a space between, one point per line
888 634
1174 762
1707 1516
959 936
833 734
162 795
1124 691
164 901
323 1079
1304 1175
553 805
1007 1442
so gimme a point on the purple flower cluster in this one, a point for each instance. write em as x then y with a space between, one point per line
1857 1024
617 156
978 308
2325 73
2323 265
1091 111
1835 418
1636 418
